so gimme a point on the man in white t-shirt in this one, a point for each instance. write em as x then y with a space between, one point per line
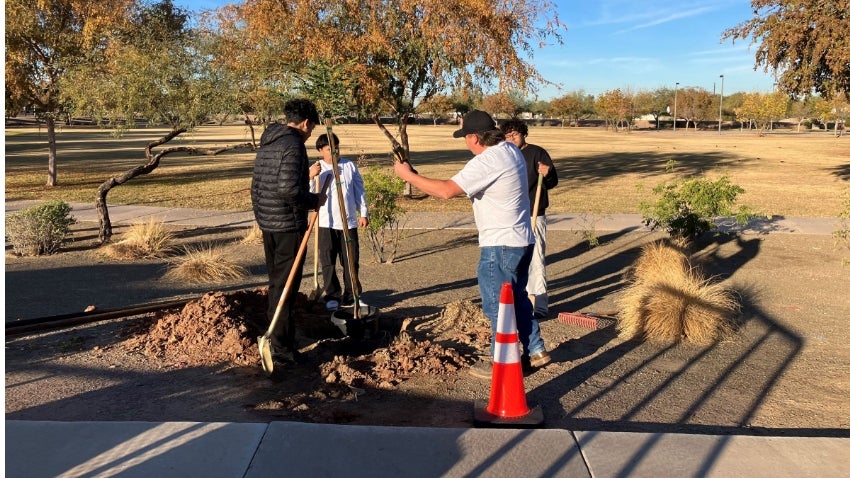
497 183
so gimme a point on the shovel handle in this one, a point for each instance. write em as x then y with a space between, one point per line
349 248
536 202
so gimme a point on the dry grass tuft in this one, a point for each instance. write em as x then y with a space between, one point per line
668 301
145 240
254 235
204 265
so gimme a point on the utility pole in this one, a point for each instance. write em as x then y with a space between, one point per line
720 116
675 101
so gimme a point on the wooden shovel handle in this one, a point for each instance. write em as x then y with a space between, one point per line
536 202
349 248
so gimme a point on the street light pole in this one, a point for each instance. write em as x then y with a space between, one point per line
720 115
675 101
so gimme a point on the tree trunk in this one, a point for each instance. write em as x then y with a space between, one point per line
105 233
51 150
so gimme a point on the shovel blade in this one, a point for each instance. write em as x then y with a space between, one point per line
265 349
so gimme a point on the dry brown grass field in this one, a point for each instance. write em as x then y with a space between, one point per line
784 173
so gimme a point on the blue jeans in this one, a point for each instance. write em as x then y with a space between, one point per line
500 264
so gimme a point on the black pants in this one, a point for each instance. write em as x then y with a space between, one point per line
281 248
331 246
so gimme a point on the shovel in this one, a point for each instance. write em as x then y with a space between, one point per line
314 294
264 341
353 323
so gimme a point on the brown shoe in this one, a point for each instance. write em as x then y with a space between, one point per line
482 369
540 359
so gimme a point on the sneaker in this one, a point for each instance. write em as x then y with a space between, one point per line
482 369
540 359
332 304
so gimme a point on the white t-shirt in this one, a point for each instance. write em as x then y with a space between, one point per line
497 182
353 191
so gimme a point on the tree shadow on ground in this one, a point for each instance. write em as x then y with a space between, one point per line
643 382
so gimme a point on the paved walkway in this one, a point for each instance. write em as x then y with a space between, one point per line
122 214
228 450
183 449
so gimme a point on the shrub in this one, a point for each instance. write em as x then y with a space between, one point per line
39 229
688 207
385 226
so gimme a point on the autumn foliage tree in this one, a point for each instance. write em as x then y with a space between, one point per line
572 107
807 42
695 104
45 38
762 109
614 106
406 52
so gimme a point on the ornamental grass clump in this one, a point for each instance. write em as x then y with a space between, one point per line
668 301
204 265
144 240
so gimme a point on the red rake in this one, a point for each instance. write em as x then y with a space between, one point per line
588 321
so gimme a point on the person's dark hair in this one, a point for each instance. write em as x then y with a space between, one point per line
299 109
491 138
517 125
322 141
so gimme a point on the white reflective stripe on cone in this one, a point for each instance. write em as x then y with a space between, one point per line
506 353
504 326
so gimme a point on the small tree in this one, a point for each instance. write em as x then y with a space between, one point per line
385 214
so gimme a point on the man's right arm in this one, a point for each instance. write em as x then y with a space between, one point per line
440 188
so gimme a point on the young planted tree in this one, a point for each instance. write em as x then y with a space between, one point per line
150 70
44 39
804 41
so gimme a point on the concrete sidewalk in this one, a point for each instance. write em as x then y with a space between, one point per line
228 450
128 214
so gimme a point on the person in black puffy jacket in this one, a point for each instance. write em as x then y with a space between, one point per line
281 199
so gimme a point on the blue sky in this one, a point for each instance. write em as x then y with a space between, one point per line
640 45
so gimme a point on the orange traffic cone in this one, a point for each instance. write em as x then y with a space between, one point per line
507 407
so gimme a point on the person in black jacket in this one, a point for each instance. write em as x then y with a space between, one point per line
538 164
281 198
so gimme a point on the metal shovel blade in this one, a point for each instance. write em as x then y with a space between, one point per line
265 348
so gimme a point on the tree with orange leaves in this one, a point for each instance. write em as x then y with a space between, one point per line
401 52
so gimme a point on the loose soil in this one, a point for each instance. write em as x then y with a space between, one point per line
785 369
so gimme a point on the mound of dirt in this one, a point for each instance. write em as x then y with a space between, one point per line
223 328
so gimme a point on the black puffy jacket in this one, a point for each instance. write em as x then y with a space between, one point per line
280 186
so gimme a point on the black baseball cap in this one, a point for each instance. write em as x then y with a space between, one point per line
476 121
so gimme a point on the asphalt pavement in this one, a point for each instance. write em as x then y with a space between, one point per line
188 449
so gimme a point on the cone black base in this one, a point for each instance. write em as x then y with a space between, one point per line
485 419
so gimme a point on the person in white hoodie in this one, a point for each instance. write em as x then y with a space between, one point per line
331 238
